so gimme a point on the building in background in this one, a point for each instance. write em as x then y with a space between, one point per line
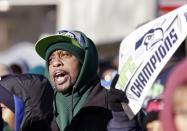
21 24
107 22
165 6
25 21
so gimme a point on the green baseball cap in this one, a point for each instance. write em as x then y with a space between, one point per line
73 37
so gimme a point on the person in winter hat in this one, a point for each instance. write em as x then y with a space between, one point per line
80 102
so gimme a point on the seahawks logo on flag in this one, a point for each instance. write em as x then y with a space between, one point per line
145 52
152 37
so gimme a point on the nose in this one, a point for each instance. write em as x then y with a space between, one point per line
57 63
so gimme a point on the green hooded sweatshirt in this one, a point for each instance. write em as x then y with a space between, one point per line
68 105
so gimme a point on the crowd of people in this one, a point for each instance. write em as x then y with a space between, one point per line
68 94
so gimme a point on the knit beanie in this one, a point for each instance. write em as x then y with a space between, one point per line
67 40
77 51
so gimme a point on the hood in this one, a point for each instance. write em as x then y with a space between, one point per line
6 97
36 93
15 104
177 77
89 67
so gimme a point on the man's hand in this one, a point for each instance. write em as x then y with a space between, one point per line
116 96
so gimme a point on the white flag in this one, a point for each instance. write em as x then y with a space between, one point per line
145 52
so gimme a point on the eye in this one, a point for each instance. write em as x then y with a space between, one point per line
50 59
66 54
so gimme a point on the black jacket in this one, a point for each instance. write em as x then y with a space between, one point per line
36 94
96 115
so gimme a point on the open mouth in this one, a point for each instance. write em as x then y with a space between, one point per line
60 77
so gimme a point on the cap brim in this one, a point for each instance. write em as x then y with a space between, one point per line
43 44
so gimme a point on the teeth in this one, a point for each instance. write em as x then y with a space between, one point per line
60 78
58 74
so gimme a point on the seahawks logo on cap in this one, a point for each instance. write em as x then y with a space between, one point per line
68 33
74 35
